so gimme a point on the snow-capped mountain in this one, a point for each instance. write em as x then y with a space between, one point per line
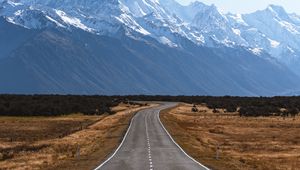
272 30
213 24
104 17
140 8
281 30
101 17
186 13
194 49
295 18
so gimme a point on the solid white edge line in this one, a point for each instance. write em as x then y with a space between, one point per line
107 160
158 113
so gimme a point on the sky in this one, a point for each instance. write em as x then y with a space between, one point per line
247 6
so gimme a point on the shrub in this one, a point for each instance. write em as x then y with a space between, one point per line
194 109
293 111
231 108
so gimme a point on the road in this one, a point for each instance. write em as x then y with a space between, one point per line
148 146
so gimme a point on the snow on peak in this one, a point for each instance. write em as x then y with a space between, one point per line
140 8
295 18
209 18
273 24
272 30
276 9
197 4
13 3
72 21
237 18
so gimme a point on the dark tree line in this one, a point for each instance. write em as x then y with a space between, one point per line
52 105
247 106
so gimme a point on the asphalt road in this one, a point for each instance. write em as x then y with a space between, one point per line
148 146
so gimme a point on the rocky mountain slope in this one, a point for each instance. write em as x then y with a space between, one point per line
141 47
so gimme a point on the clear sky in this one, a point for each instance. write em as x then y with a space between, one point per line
247 6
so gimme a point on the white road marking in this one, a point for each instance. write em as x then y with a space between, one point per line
126 134
149 146
158 113
151 166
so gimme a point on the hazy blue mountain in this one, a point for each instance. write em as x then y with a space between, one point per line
282 31
132 47
272 30
12 37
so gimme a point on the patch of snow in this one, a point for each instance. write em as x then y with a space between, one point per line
290 49
236 31
228 42
57 23
274 44
200 39
290 27
140 9
271 9
143 31
239 19
11 20
128 21
14 3
18 13
72 21
166 41
256 51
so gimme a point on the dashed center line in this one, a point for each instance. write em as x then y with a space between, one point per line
149 146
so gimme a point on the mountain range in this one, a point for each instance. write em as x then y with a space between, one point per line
119 47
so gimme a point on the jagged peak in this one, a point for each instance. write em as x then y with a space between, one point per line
276 8
197 4
210 11
275 11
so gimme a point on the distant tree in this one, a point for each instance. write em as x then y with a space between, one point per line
231 108
194 109
293 111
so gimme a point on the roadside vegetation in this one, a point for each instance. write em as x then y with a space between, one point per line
246 106
56 105
225 140
78 132
63 141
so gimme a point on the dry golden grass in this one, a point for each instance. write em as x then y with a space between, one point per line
244 143
66 142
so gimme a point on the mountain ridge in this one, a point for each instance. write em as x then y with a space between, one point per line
103 47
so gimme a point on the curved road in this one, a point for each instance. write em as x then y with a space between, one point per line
148 146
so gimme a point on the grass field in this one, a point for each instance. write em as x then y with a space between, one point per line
65 142
227 141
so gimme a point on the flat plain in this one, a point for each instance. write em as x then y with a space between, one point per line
227 141
64 142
